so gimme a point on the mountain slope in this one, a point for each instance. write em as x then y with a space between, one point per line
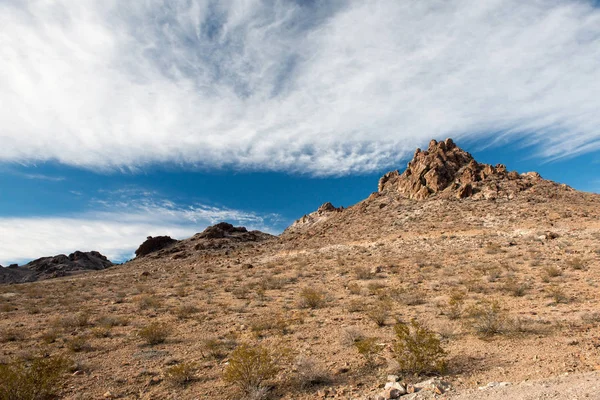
508 282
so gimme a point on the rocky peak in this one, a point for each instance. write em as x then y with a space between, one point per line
446 170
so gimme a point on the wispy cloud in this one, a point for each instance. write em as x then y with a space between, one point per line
43 177
325 88
116 229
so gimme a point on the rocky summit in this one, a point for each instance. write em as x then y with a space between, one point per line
446 170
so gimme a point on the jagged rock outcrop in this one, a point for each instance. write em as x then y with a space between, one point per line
55 266
154 244
322 213
224 230
446 170
221 230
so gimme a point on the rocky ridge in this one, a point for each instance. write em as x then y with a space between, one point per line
55 266
446 170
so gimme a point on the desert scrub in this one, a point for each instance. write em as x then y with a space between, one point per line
354 288
250 367
557 294
368 348
309 372
379 312
312 298
37 379
266 323
185 311
553 271
181 374
454 308
217 348
576 263
418 350
78 343
362 272
155 333
488 319
146 302
79 320
515 288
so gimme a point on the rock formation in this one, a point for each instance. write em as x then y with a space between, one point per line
153 244
446 170
322 213
55 266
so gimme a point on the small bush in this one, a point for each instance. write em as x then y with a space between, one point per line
217 348
354 288
78 343
312 298
250 366
146 302
576 263
454 308
379 313
418 350
488 319
11 335
185 311
515 288
37 379
553 271
155 333
368 348
351 335
181 374
309 372
79 320
270 323
557 294
361 272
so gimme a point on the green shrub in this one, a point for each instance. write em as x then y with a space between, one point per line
155 333
250 366
368 348
312 298
217 348
181 374
38 379
418 350
379 313
186 311
454 308
488 319
78 343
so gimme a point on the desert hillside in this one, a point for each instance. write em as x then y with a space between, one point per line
500 269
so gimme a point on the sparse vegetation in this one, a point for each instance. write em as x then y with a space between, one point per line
309 372
181 374
36 379
488 318
250 366
312 298
418 350
155 333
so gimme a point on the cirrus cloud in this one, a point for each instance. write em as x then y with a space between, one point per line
322 88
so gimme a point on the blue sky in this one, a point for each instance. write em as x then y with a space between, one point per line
121 120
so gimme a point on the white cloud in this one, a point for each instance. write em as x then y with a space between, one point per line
116 233
332 88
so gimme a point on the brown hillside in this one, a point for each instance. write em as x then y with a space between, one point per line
505 274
